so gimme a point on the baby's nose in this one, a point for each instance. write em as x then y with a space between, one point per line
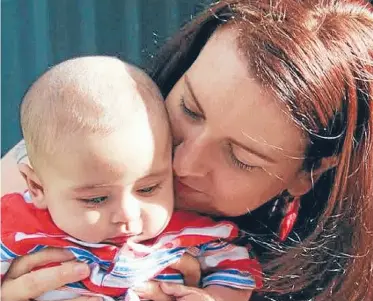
127 212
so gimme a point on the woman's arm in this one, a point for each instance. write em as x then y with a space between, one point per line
11 179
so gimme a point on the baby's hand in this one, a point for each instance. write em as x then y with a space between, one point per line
161 291
186 293
209 293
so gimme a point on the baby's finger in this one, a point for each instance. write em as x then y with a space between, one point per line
185 293
34 284
176 290
190 268
86 299
27 263
151 291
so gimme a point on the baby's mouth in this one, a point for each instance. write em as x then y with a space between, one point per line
122 238
126 230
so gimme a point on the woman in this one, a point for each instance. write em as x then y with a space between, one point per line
271 106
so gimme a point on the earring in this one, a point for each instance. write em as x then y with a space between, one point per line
291 210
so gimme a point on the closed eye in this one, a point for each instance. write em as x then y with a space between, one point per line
236 162
148 190
187 111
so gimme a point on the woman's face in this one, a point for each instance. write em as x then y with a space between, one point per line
235 146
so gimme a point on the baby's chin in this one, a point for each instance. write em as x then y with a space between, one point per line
86 238
82 237
86 241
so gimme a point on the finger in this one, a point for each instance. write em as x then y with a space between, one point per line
176 290
27 263
185 293
85 299
34 284
190 268
151 291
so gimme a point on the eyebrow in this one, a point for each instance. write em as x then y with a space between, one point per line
189 86
254 152
158 173
90 186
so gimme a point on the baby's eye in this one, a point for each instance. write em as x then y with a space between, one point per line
148 190
96 200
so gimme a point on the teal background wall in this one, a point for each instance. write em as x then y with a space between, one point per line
36 34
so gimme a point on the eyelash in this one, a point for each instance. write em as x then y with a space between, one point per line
189 112
148 190
92 202
237 162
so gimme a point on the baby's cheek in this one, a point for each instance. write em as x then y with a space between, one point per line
90 227
92 217
156 218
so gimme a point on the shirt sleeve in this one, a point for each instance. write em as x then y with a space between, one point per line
5 264
223 263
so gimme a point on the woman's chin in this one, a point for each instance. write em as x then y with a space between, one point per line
204 207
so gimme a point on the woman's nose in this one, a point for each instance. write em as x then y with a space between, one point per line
190 158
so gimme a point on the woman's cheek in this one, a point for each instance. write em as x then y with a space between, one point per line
177 125
236 193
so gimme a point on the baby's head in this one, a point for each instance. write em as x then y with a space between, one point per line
99 144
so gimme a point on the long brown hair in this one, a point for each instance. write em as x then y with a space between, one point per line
317 58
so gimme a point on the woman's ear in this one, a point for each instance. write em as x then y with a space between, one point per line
34 185
306 179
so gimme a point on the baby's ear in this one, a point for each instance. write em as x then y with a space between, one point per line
34 185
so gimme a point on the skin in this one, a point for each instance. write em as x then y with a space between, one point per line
214 174
230 159
99 189
97 193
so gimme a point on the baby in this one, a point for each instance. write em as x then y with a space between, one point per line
100 184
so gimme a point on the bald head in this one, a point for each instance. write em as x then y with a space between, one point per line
87 95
